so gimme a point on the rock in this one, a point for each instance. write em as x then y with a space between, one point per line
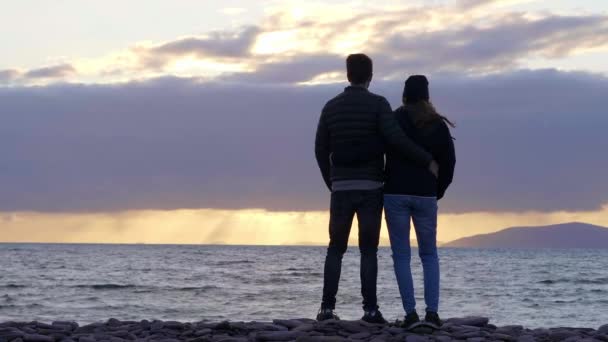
502 337
37 338
304 327
526 338
113 322
561 334
156 326
423 330
321 339
10 337
203 332
395 330
467 335
510 330
232 339
476 339
603 329
145 324
199 339
472 321
266 327
601 337
416 338
442 338
87 329
541 332
359 336
278 336
379 339
173 325
288 323
352 326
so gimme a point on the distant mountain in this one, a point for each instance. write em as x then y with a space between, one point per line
567 235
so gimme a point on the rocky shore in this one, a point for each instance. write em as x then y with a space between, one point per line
471 329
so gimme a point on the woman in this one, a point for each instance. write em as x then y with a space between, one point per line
412 192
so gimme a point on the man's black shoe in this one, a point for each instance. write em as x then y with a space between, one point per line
373 316
432 319
411 321
325 314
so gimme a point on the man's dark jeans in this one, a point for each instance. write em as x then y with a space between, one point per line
367 204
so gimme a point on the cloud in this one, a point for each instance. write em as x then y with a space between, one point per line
293 70
528 140
295 46
504 45
217 44
8 75
52 72
498 44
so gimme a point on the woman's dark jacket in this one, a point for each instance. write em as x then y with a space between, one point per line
406 178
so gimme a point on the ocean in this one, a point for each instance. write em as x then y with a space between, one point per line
88 283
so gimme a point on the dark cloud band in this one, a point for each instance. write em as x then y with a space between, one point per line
528 140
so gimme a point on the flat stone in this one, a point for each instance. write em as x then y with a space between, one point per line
467 335
442 338
173 325
88 328
288 323
359 336
8 336
353 326
573 339
601 337
472 321
231 339
278 336
379 339
561 334
199 339
203 332
502 337
37 338
321 339
113 322
304 327
266 327
510 329
416 338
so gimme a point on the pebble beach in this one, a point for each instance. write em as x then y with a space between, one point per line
472 329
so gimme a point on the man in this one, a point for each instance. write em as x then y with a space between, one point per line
349 148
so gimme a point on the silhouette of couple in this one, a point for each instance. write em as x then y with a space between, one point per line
373 158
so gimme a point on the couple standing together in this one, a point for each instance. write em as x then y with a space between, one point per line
356 130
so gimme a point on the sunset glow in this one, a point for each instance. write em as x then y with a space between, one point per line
200 129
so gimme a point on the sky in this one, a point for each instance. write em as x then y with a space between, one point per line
193 121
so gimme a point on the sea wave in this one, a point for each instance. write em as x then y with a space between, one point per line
583 281
106 286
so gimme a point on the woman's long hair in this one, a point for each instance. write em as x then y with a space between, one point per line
425 113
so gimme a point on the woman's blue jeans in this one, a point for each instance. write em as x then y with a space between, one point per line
423 211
